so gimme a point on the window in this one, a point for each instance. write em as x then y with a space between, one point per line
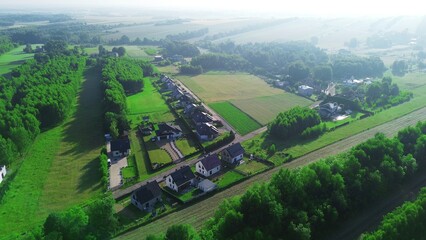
210 172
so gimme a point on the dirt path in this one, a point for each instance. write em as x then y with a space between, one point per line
198 213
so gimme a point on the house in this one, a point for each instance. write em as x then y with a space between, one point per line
190 108
2 173
120 147
177 93
176 58
208 165
147 196
146 130
199 117
166 131
113 54
305 90
180 179
206 131
206 185
158 58
233 154
327 110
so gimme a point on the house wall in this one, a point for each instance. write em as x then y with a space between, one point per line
199 168
142 206
237 158
171 184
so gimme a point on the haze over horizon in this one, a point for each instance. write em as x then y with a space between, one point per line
330 8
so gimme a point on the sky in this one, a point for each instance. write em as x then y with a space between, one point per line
290 7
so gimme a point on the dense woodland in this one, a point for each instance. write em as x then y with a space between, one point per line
404 223
6 44
38 95
342 185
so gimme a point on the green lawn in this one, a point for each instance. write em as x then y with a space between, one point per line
131 51
148 102
13 59
353 117
240 121
61 168
264 109
131 170
186 146
159 156
251 167
228 178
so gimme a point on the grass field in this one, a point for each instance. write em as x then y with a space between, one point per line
132 51
13 59
251 167
223 86
148 102
60 169
186 146
159 156
265 109
228 178
240 121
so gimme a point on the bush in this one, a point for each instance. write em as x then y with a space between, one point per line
313 132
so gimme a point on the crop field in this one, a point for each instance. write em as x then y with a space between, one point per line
13 59
240 121
61 168
223 86
265 109
148 102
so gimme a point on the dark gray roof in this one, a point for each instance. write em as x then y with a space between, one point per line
235 150
165 129
210 162
206 129
121 145
182 175
199 116
148 192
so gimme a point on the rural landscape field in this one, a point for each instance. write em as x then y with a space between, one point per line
197 120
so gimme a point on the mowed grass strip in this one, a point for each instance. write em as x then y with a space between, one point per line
225 86
265 109
148 102
13 59
74 176
240 121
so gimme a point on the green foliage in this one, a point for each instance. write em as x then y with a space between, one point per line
404 223
220 61
292 123
298 71
96 221
185 49
190 70
348 65
399 67
313 132
5 44
103 159
384 93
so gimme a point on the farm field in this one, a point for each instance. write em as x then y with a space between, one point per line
197 214
224 86
148 102
13 59
265 109
240 121
60 169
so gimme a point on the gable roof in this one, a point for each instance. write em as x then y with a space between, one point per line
210 162
182 175
166 129
121 145
206 129
148 192
235 150
200 116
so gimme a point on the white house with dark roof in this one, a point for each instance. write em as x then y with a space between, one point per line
233 154
180 179
208 165
167 132
147 196
120 147
2 172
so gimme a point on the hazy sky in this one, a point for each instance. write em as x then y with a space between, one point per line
296 7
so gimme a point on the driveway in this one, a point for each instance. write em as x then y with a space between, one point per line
115 172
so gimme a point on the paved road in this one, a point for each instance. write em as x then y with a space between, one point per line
186 215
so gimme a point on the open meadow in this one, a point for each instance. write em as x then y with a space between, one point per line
13 59
138 52
61 168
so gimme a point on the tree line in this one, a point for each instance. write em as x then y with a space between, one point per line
120 76
404 223
343 185
6 44
37 95
296 122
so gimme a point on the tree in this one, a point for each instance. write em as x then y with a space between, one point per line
121 51
420 151
323 73
399 67
102 51
102 222
373 92
8 151
70 224
298 71
28 48
181 232
56 47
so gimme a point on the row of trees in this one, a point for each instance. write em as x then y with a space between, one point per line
93 221
185 49
121 76
296 122
37 95
406 222
220 61
187 35
341 185
346 65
